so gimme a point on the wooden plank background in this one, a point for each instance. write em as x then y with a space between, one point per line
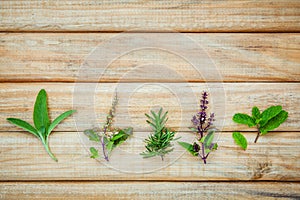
254 46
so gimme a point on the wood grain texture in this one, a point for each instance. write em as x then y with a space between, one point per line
93 101
148 190
58 57
184 16
275 157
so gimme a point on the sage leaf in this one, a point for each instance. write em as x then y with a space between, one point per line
240 140
24 125
40 112
274 122
59 119
241 118
269 113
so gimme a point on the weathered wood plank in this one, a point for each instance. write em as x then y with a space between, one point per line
148 190
237 57
93 101
275 157
187 16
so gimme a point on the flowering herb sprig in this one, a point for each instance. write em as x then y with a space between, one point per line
109 138
159 143
202 125
265 121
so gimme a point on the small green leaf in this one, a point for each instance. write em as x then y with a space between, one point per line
256 114
110 146
274 122
188 147
94 152
215 147
209 138
24 125
193 129
40 113
240 140
59 119
241 118
128 130
92 135
118 136
269 113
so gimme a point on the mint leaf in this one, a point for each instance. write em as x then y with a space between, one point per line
189 148
269 113
94 153
40 112
240 140
241 118
92 135
24 125
256 114
59 119
274 122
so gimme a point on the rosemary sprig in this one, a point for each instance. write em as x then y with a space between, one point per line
159 143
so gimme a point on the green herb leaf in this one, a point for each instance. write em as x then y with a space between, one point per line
94 153
92 135
269 113
110 146
274 122
241 118
256 114
189 148
40 113
209 138
240 140
24 125
59 119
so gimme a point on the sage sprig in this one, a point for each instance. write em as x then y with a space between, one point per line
42 126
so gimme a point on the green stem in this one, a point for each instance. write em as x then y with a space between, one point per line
46 145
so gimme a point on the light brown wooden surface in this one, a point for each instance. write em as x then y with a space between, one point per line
249 53
275 157
149 190
184 16
135 99
237 57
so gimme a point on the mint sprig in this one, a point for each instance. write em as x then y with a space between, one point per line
42 125
268 120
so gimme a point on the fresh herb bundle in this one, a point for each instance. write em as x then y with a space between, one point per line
202 125
159 143
109 138
266 121
42 126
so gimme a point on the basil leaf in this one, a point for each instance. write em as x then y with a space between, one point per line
94 152
209 138
241 118
240 140
92 135
189 148
269 113
40 113
274 122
